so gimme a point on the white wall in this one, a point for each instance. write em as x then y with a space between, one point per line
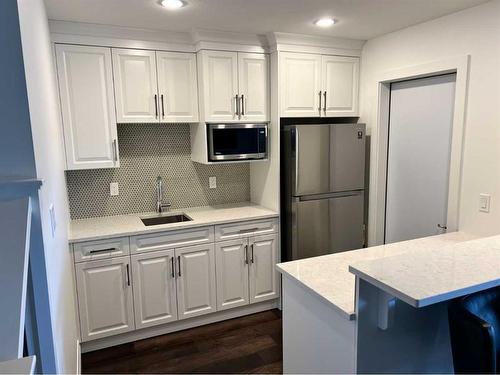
475 31
49 159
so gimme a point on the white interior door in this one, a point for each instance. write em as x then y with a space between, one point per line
263 275
253 73
88 106
155 299
420 131
300 84
196 283
135 86
105 297
232 273
340 85
177 86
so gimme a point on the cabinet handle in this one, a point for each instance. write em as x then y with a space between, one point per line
173 267
102 250
324 104
128 275
156 106
252 259
237 103
115 151
163 107
319 108
242 105
246 254
179 263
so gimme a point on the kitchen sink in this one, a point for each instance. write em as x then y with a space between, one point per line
167 219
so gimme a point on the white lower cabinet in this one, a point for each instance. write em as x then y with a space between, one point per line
263 276
232 273
155 296
105 297
195 281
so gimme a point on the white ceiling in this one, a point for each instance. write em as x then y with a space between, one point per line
357 19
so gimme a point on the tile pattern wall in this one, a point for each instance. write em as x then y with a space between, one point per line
148 151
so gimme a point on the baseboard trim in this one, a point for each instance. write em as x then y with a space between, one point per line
177 326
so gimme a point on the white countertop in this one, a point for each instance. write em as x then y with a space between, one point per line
328 276
127 225
436 274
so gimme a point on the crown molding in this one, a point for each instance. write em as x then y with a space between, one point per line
314 44
231 41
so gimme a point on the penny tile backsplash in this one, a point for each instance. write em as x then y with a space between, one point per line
148 151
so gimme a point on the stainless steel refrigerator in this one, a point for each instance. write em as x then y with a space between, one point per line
323 181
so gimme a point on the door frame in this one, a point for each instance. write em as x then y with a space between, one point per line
380 140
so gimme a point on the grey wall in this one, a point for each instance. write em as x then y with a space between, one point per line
148 151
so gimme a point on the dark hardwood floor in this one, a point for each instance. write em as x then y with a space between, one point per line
251 344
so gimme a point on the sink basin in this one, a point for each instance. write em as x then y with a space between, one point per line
167 219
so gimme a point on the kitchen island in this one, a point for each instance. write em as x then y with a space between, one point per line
321 326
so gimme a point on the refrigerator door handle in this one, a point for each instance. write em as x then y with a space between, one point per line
317 197
296 155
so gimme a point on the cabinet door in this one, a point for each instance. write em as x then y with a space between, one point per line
88 106
136 86
253 79
195 281
263 276
300 84
154 288
232 273
340 76
104 297
177 86
218 85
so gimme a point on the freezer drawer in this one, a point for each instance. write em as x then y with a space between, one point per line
327 158
328 225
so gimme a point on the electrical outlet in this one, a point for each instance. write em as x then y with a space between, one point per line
53 223
212 182
113 189
484 202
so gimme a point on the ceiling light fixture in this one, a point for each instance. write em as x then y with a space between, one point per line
172 4
325 22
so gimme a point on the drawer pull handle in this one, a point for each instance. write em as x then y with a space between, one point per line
103 250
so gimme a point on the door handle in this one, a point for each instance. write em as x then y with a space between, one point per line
251 249
242 105
115 151
128 275
156 106
324 104
163 107
246 254
179 263
444 227
319 108
237 105
173 266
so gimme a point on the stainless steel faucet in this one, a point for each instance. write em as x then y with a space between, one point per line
160 206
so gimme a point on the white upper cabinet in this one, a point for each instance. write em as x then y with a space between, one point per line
177 86
155 299
135 86
234 87
196 283
318 85
253 79
232 273
300 84
218 85
263 276
340 85
88 106
105 297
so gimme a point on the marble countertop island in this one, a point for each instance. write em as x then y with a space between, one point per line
126 225
329 278
435 273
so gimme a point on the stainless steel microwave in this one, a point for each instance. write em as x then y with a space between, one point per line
237 141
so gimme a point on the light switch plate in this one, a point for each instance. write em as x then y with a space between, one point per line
212 182
113 189
484 202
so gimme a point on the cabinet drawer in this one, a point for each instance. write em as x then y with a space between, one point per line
225 232
101 249
172 239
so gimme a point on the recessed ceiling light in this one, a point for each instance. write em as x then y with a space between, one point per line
325 22
172 4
